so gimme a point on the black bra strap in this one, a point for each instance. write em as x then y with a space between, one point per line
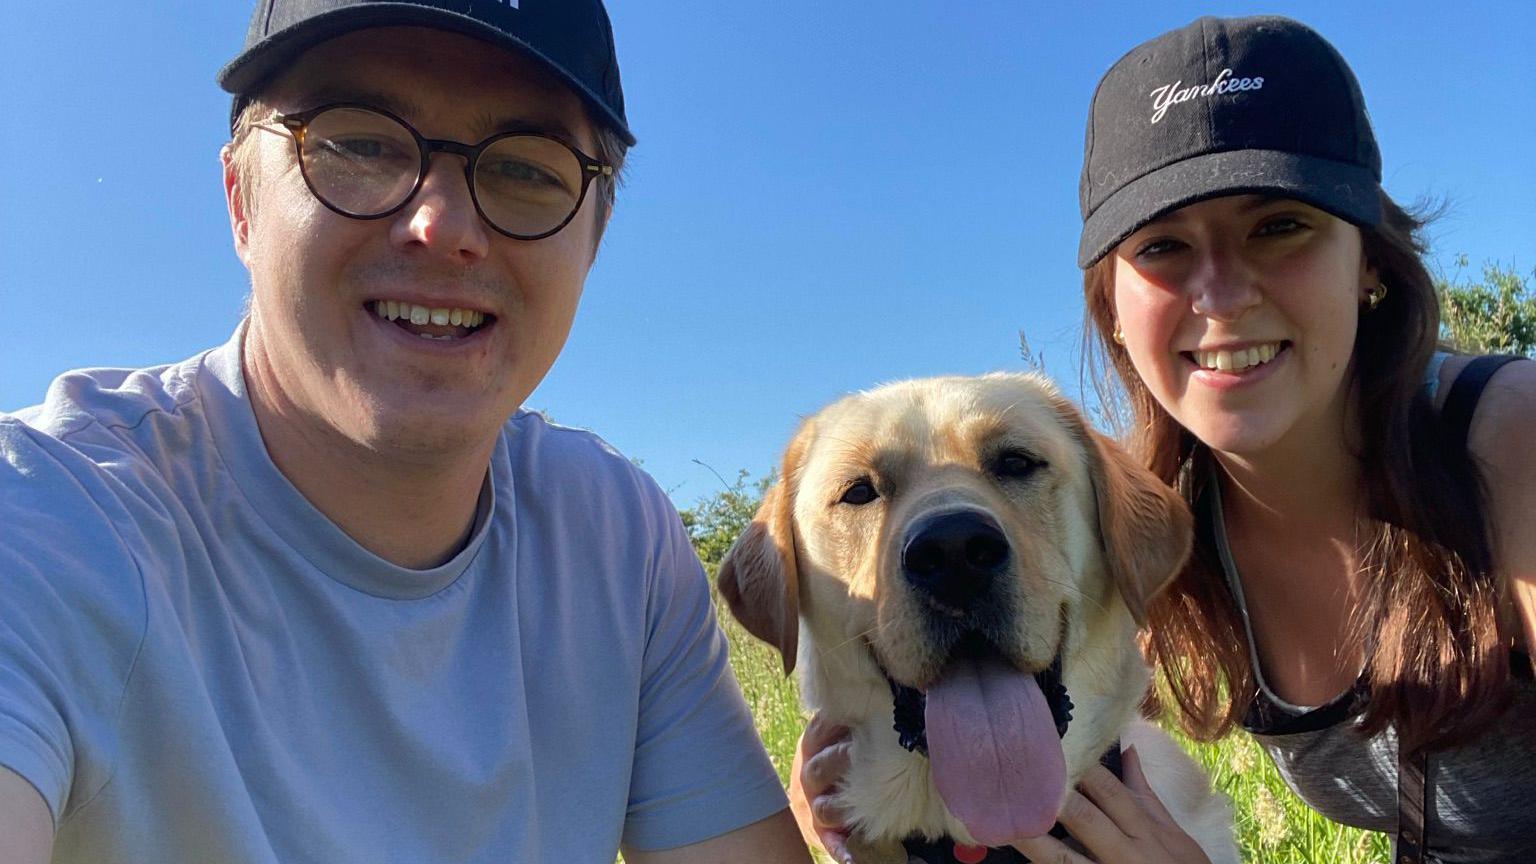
1465 391
1414 786
1412 799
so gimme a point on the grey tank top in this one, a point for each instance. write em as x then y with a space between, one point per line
1483 806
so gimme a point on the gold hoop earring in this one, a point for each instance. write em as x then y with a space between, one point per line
1376 295
1118 336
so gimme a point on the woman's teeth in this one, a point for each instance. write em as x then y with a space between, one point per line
1236 361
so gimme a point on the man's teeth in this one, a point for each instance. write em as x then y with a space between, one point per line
1239 360
394 310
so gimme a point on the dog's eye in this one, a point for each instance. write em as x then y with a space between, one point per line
860 493
1016 463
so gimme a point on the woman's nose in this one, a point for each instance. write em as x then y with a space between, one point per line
1222 285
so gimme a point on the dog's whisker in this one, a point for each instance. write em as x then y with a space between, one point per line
1076 593
872 705
854 638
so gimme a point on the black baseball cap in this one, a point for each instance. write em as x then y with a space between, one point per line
571 38
1225 106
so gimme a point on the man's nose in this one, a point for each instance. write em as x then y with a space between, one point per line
441 217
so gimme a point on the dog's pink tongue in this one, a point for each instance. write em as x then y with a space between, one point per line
996 758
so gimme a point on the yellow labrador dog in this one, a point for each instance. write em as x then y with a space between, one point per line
969 561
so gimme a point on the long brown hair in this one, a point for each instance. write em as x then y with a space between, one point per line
1439 672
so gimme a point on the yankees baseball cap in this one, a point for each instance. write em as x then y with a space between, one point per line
1225 106
571 38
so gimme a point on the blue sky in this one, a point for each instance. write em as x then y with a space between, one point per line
826 195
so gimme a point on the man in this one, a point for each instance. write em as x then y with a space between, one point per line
312 595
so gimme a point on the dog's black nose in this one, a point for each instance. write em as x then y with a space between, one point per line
953 557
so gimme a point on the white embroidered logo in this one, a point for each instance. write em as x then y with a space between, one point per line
1170 94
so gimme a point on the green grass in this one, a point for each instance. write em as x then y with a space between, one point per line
1273 826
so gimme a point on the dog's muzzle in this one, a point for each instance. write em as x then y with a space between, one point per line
908 705
952 558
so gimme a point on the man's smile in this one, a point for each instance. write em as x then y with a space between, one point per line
443 323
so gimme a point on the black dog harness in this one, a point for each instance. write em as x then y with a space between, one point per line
908 705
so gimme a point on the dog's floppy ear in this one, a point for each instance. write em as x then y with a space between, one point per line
1145 526
760 578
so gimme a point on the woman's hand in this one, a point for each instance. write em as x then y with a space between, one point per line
1118 823
820 763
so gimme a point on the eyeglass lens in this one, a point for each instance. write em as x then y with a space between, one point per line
367 164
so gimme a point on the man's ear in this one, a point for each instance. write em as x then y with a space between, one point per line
235 202
603 217
1145 527
760 576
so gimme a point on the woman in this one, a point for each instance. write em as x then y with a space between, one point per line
1361 592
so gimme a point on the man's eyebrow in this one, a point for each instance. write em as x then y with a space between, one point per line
332 94
487 124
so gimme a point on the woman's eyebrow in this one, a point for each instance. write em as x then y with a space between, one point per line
1251 201
1172 216
1258 200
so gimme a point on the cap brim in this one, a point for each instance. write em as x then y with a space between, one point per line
1350 192
251 69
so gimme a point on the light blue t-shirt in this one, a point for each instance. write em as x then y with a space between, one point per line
196 665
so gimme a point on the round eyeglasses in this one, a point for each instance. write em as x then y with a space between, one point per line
366 163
